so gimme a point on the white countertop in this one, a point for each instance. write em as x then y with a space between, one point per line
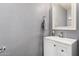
62 40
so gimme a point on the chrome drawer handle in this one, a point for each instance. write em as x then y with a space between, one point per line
54 45
62 50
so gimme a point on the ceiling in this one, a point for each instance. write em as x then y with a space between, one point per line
65 5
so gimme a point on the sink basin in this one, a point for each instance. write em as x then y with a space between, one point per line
69 41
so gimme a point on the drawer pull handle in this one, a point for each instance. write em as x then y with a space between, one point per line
62 50
54 45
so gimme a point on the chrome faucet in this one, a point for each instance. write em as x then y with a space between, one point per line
53 33
60 34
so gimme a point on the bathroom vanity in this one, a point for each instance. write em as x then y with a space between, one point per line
57 46
64 17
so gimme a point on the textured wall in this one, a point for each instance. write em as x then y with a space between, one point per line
20 28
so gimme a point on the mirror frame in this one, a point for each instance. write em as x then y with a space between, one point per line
74 20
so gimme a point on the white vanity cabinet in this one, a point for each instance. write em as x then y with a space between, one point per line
54 46
48 51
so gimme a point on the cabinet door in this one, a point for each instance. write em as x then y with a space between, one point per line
61 51
50 48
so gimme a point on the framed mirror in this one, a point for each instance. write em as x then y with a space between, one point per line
64 16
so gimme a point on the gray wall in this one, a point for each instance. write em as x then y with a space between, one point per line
73 34
20 28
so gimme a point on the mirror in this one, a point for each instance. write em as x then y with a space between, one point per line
64 16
